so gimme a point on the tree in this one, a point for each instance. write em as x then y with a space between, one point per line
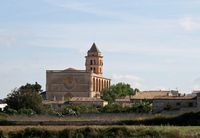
26 97
117 91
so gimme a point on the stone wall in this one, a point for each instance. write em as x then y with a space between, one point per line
172 104
74 83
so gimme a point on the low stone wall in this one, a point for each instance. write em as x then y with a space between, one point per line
172 104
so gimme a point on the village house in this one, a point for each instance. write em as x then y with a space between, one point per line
162 100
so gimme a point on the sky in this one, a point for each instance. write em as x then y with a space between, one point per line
150 44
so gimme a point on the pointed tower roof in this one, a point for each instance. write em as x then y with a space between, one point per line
94 48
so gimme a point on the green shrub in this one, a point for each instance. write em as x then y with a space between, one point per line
51 111
69 111
141 107
2 135
113 108
67 133
78 109
116 132
89 132
33 133
10 111
26 111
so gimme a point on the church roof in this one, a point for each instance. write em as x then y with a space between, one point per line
94 48
71 69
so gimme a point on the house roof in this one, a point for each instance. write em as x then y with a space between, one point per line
94 48
150 95
175 98
71 69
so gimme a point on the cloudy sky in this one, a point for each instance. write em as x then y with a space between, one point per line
151 44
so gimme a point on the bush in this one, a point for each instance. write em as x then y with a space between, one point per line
26 111
116 132
141 107
2 135
67 133
113 108
88 109
33 133
50 110
69 111
78 109
10 111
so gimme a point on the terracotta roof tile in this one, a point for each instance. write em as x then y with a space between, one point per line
150 94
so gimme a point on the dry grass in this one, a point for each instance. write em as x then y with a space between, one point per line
82 117
58 128
17 128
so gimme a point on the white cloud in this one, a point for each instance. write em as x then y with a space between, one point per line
134 81
189 24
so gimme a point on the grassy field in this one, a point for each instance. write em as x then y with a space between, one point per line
161 128
103 131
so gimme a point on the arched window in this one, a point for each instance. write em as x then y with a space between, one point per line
94 62
90 62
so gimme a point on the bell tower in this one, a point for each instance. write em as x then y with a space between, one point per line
94 60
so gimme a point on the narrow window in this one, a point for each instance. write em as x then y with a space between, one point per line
90 62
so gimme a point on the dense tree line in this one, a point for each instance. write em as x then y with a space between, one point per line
27 100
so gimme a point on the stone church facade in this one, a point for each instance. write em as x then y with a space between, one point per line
78 83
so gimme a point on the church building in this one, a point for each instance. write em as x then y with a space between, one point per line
78 83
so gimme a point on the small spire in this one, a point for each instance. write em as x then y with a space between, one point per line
94 48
